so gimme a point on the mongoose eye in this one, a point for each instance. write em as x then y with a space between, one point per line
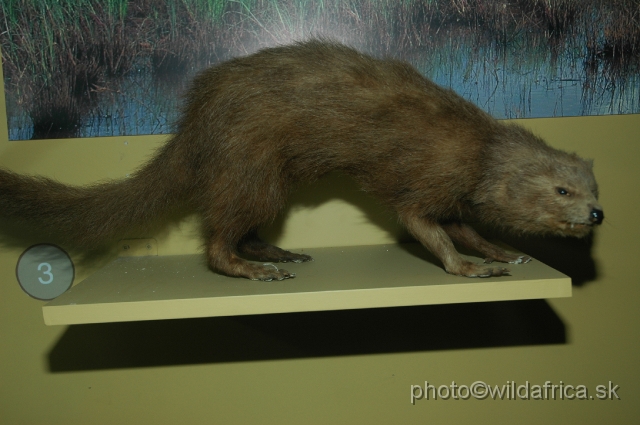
563 191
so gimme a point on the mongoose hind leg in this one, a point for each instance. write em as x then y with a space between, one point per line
223 259
254 248
466 236
436 240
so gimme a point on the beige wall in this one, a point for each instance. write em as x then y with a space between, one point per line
242 370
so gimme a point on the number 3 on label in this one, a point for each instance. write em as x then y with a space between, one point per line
46 272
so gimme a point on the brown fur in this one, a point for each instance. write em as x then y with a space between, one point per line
254 127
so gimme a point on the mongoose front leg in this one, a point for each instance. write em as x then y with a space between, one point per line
466 236
436 240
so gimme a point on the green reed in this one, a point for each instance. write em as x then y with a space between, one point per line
57 54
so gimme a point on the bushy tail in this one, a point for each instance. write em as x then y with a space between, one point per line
90 216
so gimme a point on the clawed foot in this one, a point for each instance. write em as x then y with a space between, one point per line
268 272
255 249
490 271
225 260
290 257
509 258
470 269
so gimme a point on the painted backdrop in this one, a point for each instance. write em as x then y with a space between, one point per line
83 68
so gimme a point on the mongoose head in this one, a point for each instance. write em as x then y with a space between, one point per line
562 197
542 190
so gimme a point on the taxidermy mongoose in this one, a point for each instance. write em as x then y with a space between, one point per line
254 127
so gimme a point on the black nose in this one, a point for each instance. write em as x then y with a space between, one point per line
597 216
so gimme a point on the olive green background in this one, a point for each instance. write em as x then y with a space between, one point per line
332 367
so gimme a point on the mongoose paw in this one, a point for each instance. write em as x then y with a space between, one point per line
491 271
294 258
522 259
268 272
509 258
257 250
475 270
